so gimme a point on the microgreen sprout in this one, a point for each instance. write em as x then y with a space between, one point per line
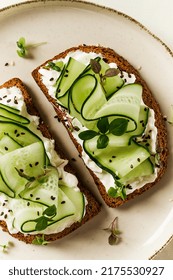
23 48
96 67
39 240
116 127
114 233
5 247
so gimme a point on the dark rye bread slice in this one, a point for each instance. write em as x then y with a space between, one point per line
92 208
162 148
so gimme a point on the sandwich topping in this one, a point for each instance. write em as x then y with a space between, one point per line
107 117
36 194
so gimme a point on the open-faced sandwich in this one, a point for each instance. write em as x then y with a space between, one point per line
40 194
111 116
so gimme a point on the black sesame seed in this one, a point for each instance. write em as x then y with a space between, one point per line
37 198
51 79
6 148
113 156
129 186
3 204
31 195
131 166
9 100
110 160
38 213
6 64
30 164
52 197
2 213
17 135
62 202
56 117
5 216
21 170
15 131
138 159
36 163
28 203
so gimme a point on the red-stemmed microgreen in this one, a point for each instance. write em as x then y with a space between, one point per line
114 232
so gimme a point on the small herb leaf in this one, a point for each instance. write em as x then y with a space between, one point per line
21 42
114 237
50 211
118 126
54 66
87 135
103 125
95 66
39 240
111 72
102 141
41 224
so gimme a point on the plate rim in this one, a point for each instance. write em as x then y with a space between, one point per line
101 8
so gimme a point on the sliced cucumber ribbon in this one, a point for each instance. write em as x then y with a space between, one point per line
89 100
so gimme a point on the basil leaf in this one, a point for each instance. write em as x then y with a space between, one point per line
118 126
41 224
88 134
102 141
50 211
103 125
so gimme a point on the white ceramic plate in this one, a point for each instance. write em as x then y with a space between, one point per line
146 222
